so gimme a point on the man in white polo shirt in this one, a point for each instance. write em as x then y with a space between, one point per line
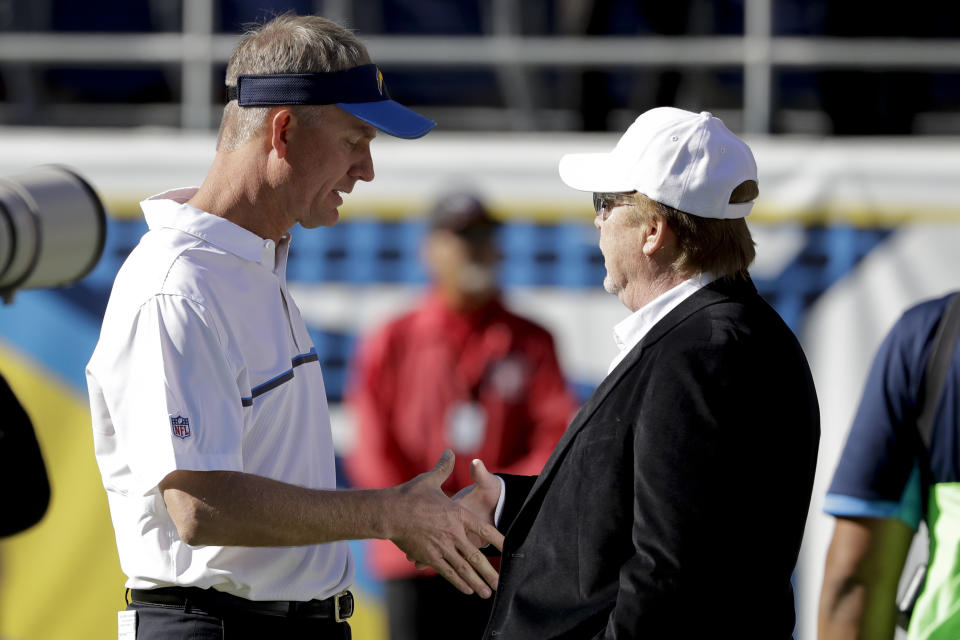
210 419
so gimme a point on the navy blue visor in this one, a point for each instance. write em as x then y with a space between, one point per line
359 91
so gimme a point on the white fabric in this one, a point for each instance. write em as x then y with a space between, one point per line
685 160
498 511
630 331
198 319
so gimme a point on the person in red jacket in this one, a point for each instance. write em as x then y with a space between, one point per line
463 372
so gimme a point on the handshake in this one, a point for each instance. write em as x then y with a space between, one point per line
447 534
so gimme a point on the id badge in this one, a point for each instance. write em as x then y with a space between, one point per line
126 625
466 427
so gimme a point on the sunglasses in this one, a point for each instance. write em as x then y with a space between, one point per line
604 203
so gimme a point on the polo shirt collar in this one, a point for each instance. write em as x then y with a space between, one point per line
170 210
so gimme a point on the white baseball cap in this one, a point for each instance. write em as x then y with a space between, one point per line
685 160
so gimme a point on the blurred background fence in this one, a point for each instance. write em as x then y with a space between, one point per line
781 66
851 114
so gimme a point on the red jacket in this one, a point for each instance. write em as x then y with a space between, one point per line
486 384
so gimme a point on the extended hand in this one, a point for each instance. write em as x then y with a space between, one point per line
482 496
433 530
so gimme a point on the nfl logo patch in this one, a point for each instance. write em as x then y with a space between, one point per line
180 426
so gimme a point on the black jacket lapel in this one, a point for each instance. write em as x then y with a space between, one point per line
716 291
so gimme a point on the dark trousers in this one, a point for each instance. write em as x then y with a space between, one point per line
430 608
169 622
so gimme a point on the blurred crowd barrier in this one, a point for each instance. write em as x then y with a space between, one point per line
849 232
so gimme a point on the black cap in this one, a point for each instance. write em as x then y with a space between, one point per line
462 213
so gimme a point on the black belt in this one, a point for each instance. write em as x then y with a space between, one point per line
337 608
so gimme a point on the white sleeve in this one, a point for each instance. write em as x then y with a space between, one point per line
503 496
172 394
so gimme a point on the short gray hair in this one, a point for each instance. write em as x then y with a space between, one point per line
286 44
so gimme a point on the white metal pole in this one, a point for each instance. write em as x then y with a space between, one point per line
196 110
757 67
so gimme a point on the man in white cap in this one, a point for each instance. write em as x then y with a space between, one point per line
675 503
211 428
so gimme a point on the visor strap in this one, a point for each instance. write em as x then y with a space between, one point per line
355 85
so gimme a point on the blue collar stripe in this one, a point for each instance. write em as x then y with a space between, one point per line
357 84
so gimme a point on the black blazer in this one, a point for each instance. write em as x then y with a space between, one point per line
674 504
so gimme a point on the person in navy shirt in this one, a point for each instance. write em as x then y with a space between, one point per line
877 490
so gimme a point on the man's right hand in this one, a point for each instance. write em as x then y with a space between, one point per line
438 532
482 496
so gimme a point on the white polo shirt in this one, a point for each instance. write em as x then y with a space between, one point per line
203 364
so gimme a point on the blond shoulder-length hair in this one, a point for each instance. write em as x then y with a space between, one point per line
722 247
